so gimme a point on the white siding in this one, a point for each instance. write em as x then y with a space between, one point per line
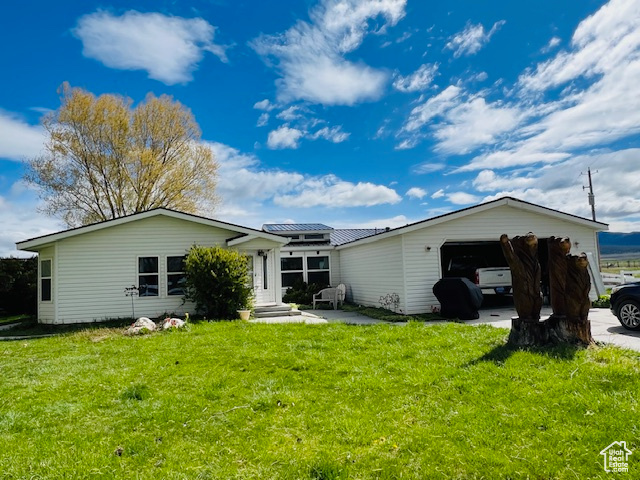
373 270
423 269
94 268
334 263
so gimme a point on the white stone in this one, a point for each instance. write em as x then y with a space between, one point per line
173 323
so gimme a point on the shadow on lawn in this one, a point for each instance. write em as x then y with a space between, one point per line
500 354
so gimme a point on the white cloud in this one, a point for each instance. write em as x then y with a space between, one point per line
553 43
418 80
310 56
474 123
595 109
467 122
470 40
439 194
284 137
462 198
381 223
488 181
168 48
289 114
423 113
330 191
18 139
416 192
20 220
265 105
263 119
427 167
333 134
246 188
560 186
603 42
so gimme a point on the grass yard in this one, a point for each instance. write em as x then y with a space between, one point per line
238 400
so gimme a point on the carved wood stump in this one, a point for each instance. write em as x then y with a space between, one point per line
569 284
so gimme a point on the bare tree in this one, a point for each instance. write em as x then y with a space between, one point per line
105 159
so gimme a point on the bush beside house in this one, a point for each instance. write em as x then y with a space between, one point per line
218 281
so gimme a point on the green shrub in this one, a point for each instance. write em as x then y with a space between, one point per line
218 281
302 293
603 301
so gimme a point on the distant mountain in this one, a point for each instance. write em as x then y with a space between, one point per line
614 242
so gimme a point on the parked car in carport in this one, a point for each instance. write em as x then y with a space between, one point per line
625 304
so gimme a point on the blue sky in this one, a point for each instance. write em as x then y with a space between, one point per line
349 112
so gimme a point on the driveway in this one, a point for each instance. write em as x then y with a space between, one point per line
604 325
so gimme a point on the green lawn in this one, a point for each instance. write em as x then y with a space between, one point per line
238 400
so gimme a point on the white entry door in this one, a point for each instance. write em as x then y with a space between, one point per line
264 277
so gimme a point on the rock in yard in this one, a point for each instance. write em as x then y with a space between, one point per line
141 326
172 323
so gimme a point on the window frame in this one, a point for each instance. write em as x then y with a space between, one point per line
318 270
305 255
42 278
140 274
168 272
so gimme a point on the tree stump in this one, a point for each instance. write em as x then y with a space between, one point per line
569 284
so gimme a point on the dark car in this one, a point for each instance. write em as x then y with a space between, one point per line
625 304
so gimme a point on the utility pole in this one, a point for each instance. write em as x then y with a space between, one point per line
592 198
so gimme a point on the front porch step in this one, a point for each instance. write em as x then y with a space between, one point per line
282 310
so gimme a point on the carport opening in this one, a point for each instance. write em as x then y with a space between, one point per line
460 259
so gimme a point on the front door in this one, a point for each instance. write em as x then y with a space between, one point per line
264 277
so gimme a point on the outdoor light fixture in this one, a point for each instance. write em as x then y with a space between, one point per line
262 253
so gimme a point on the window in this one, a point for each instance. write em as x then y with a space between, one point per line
45 280
307 267
318 270
292 270
176 278
148 276
250 271
314 236
265 272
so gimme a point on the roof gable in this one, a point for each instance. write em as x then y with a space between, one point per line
33 244
504 201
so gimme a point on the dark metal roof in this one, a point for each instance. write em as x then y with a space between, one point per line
346 235
295 227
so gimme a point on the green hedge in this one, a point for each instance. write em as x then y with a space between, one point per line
218 281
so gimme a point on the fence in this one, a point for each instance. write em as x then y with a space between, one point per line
625 276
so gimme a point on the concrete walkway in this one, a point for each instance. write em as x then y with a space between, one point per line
322 316
605 327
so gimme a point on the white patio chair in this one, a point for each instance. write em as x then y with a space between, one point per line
328 295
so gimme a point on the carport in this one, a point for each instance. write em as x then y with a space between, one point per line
456 255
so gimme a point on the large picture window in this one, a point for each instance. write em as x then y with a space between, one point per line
305 267
45 280
148 276
176 277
